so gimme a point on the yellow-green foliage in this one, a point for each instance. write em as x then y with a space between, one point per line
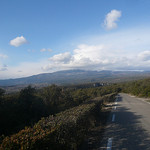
65 130
139 88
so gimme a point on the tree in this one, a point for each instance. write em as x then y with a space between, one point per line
2 92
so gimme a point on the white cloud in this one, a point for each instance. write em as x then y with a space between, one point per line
44 50
87 57
145 55
61 58
111 18
3 67
98 57
22 70
92 52
83 57
3 56
113 51
18 41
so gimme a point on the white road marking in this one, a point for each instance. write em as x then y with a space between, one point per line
113 118
109 144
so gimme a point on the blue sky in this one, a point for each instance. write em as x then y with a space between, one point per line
45 36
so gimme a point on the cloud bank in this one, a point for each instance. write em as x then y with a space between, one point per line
144 56
3 67
126 50
87 57
97 57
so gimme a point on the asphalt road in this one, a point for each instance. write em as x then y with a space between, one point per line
128 127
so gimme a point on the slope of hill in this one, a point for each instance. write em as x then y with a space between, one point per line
75 77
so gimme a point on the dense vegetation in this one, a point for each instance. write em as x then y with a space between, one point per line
25 108
139 88
66 130
65 110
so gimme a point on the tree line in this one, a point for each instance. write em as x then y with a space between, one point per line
139 88
26 107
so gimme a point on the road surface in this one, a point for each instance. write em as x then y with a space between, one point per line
128 127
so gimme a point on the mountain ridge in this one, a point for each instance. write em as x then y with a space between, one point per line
76 76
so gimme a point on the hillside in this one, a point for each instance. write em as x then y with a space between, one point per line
75 77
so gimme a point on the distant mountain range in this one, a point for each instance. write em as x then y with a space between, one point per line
69 77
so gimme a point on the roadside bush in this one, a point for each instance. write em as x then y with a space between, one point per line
65 130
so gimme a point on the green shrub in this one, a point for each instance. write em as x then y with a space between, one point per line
65 130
